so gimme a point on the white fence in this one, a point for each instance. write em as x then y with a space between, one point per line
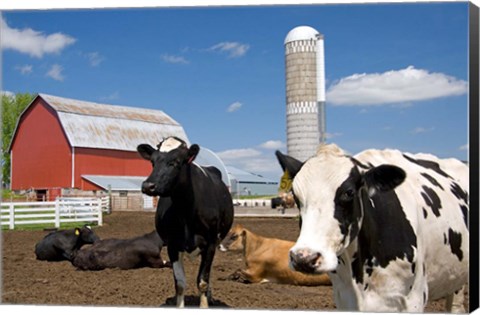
252 202
56 212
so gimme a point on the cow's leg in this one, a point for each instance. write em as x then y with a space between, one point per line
157 262
178 275
152 259
244 276
203 279
454 302
252 275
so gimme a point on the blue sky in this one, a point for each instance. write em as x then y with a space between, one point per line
396 74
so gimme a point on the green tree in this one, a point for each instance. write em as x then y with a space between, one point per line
12 107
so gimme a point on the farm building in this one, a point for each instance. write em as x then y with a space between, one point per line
65 146
244 183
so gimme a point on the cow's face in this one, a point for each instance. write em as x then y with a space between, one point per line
234 241
329 189
167 161
86 234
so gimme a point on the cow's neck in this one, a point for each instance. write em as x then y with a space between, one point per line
183 191
386 233
348 279
346 291
78 243
251 242
383 236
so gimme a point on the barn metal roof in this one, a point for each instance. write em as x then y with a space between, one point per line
103 126
116 183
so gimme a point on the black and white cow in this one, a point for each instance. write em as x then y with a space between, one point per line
195 209
390 228
63 244
137 252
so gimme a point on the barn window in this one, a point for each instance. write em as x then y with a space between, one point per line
123 193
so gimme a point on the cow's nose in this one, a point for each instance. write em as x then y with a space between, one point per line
148 187
305 260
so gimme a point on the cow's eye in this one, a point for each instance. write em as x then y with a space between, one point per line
348 195
234 237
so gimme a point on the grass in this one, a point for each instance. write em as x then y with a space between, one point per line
34 227
8 195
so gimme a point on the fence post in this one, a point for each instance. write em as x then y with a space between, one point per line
57 213
12 216
109 209
100 214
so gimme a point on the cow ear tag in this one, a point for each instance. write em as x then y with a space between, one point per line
285 182
77 232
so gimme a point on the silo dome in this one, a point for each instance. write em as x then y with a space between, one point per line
305 91
301 33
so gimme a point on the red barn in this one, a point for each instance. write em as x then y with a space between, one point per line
62 143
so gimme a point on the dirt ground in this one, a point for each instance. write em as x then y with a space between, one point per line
29 281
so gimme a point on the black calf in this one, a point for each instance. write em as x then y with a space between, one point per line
62 245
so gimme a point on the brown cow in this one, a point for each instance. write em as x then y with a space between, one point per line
266 260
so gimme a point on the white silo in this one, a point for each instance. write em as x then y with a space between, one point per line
305 91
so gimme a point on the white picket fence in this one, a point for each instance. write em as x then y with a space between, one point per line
253 202
62 210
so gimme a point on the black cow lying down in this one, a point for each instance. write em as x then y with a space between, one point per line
137 252
63 244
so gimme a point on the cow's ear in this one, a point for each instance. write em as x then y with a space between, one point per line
192 153
289 164
145 151
77 231
383 178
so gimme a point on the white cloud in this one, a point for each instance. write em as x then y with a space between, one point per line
273 145
421 130
262 162
235 154
25 69
31 42
234 107
233 49
267 166
8 94
174 59
464 147
56 72
114 96
396 86
332 135
253 161
94 58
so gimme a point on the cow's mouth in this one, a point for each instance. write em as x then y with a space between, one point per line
311 262
148 188
305 261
